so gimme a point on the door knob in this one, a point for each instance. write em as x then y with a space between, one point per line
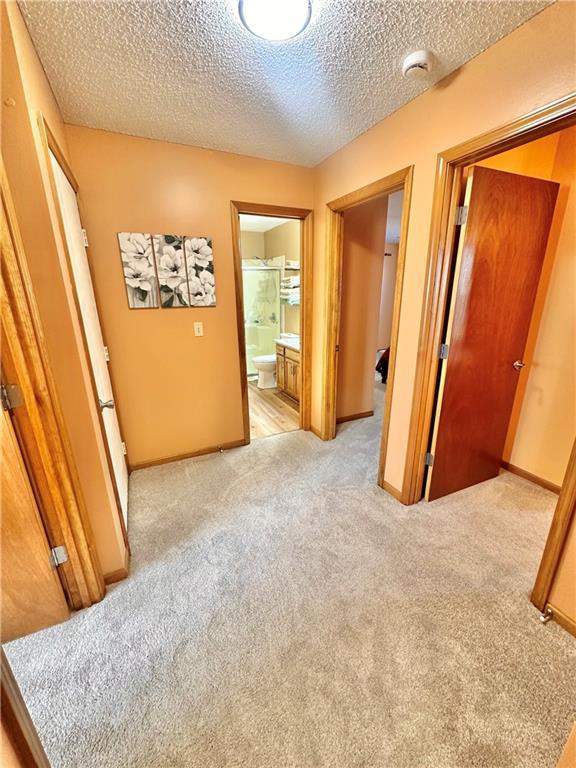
106 404
518 364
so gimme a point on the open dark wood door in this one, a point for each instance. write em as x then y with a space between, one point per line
498 265
32 596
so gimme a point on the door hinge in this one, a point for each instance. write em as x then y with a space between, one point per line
124 451
85 237
106 354
461 215
444 351
58 555
11 396
428 460
337 347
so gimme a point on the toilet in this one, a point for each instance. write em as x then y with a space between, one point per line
266 367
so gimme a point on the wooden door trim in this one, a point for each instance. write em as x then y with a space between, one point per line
541 122
16 721
49 144
400 180
40 424
305 216
564 515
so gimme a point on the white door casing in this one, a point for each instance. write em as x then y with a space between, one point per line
92 329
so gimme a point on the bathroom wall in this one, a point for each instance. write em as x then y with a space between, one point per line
252 245
543 422
362 263
529 68
177 394
284 240
24 81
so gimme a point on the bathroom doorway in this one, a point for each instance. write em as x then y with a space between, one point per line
271 248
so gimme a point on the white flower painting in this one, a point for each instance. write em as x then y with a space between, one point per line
171 269
200 265
139 273
167 271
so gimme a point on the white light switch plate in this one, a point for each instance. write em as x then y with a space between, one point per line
198 329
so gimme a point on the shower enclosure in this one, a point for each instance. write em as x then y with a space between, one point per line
261 290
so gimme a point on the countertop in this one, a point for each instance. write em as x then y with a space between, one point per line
289 343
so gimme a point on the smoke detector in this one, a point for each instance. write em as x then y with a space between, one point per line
418 64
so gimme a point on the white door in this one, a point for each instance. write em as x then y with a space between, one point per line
92 330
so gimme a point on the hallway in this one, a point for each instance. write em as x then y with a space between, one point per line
283 611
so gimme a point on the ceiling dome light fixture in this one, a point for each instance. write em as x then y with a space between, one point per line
275 19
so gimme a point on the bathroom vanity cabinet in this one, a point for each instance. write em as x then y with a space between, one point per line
288 371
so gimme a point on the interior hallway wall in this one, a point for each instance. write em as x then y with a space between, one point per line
531 67
543 422
284 241
363 245
177 394
389 267
24 81
563 593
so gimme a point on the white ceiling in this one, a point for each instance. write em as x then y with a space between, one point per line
252 223
188 71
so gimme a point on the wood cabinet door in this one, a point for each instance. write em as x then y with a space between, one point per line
32 596
290 386
498 265
297 381
280 373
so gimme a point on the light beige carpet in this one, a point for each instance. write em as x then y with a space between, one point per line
284 612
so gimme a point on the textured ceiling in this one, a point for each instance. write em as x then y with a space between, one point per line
253 223
188 71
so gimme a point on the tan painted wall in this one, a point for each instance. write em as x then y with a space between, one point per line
529 68
252 245
176 393
9 758
363 244
389 268
563 592
23 80
543 423
284 240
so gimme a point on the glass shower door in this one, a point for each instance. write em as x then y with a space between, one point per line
261 290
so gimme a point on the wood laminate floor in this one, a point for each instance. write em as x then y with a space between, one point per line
271 412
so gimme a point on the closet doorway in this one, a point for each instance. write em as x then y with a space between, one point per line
272 247
367 231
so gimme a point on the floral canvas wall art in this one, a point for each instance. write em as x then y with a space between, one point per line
139 273
167 271
171 268
200 265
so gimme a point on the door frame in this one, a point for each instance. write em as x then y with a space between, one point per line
401 180
305 216
447 192
39 423
564 516
49 145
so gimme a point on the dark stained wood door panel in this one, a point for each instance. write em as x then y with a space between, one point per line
500 259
